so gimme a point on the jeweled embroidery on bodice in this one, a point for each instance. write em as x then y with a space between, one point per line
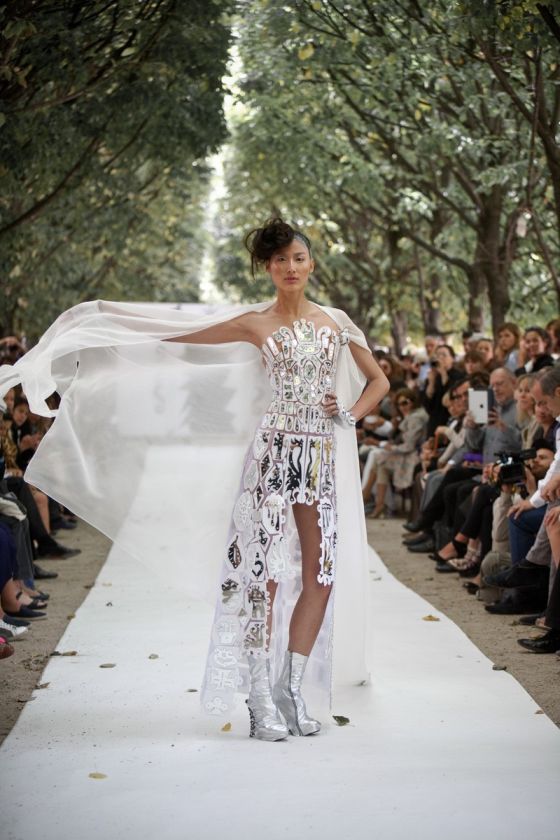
291 461
301 364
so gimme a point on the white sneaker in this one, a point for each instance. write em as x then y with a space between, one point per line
11 633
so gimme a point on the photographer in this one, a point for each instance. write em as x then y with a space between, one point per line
525 519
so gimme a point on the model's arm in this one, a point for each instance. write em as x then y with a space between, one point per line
236 329
378 384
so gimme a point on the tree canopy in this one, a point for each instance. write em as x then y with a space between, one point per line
108 111
416 144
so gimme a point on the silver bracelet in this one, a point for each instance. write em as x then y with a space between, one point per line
344 417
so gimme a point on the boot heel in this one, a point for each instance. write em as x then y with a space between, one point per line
287 696
265 722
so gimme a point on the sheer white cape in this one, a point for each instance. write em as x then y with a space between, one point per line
150 437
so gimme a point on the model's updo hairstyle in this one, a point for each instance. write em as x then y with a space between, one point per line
264 241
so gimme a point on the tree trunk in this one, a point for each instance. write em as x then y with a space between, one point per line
494 257
476 282
399 329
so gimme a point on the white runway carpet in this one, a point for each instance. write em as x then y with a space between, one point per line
439 746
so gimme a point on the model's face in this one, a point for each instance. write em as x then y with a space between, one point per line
534 344
524 396
506 340
486 350
502 386
289 267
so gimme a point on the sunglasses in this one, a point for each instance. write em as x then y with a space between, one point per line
404 402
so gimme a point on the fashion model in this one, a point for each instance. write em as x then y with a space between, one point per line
288 533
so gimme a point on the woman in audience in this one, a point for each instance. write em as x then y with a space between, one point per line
485 346
400 455
536 343
442 375
473 362
506 353
553 330
526 420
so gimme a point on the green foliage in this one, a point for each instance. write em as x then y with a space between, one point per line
385 132
109 111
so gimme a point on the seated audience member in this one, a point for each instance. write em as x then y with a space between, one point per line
442 375
431 343
499 435
527 423
400 455
473 362
437 453
547 423
553 330
11 349
476 533
536 343
550 642
25 438
526 572
393 370
506 353
485 346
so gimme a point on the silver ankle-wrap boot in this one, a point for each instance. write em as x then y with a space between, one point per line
287 696
266 723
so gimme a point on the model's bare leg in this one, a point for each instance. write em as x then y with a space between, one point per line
307 618
309 610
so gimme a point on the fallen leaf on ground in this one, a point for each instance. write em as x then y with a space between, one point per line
430 618
109 604
97 776
43 685
65 653
153 656
108 665
499 667
72 615
341 720
191 690
88 585
539 712
226 727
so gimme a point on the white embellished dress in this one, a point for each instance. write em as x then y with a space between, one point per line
290 461
149 443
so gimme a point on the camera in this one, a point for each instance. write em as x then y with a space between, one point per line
512 468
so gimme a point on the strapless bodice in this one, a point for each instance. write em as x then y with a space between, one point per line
301 365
